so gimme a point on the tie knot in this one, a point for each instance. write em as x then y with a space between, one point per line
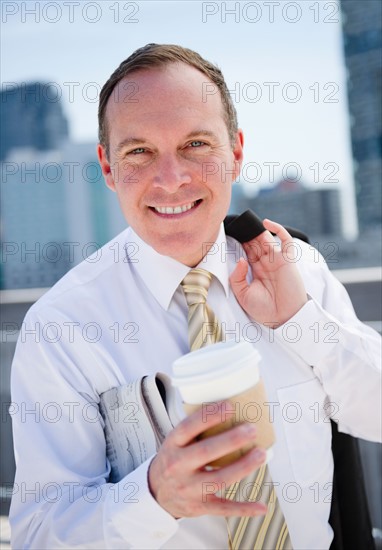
195 285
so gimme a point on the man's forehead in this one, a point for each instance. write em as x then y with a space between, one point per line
179 80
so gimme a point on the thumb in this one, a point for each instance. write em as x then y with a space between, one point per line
238 279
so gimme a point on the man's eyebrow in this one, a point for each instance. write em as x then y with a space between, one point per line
127 143
202 132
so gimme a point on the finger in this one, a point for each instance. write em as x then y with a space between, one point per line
253 248
208 416
238 278
263 245
216 446
279 230
239 469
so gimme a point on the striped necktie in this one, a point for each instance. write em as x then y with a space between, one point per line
261 532
203 326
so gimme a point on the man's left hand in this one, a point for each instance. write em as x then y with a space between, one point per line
277 291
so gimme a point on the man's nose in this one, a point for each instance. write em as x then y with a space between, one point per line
171 172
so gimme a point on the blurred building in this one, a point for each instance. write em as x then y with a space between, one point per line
55 212
32 116
362 32
33 224
55 209
239 200
316 212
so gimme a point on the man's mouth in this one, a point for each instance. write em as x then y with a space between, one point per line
176 209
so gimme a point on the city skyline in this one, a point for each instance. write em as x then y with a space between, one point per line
363 57
283 65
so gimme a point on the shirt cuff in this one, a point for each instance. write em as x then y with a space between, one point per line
134 517
312 333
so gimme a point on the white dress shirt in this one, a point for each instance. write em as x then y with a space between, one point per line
121 314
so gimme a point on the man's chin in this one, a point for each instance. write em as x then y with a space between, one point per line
185 249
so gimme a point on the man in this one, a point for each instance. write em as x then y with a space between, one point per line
171 151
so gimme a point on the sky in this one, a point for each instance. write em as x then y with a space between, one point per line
283 63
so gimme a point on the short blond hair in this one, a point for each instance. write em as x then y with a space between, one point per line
159 55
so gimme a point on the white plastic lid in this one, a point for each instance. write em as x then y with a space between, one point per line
216 372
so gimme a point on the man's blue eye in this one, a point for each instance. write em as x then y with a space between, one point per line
138 150
196 143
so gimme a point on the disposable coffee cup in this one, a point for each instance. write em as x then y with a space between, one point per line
226 371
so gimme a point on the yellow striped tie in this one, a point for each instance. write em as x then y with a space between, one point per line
203 326
258 533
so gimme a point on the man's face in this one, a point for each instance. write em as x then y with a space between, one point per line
171 161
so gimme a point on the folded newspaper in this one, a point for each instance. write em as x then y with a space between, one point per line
138 416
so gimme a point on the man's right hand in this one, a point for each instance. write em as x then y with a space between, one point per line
177 476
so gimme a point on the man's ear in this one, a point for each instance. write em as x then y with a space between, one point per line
105 167
238 153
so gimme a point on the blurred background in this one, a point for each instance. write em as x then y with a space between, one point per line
305 78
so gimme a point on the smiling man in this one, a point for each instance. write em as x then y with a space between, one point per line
171 152
159 153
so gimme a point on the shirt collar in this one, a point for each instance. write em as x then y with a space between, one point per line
162 275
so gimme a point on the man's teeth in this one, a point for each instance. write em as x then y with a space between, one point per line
175 210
